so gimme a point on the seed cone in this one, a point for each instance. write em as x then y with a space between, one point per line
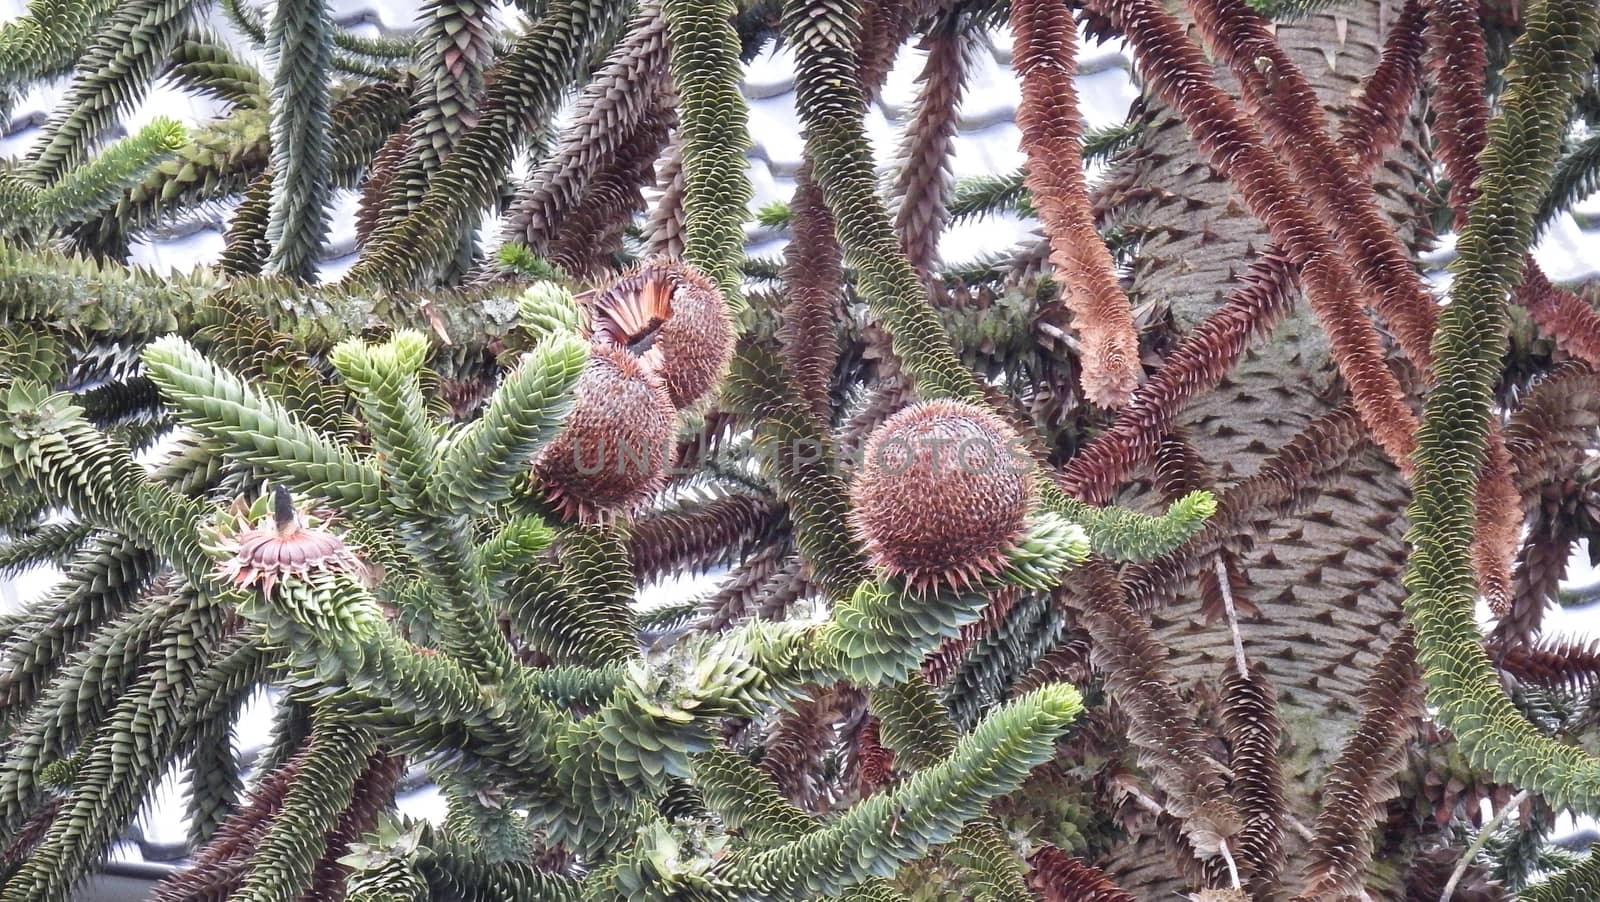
284 544
942 493
671 317
611 454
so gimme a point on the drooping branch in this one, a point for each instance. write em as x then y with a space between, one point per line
1249 715
713 136
1045 57
1059 877
524 88
1547 62
1459 64
1160 725
301 44
813 273
1280 98
1263 298
1361 780
922 187
1176 70
615 113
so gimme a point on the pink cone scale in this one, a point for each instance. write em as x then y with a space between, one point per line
673 318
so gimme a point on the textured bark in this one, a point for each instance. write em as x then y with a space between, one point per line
1326 580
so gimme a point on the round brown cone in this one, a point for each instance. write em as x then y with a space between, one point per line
942 492
612 453
674 319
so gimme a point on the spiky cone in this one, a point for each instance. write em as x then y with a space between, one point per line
673 318
942 494
282 543
612 453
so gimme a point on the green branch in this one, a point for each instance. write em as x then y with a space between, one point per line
1547 63
300 42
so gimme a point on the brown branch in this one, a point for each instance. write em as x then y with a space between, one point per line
1160 725
1179 470
1568 319
1497 526
944 660
733 600
1249 715
1230 141
1058 877
592 229
1261 301
373 793
813 272
886 27
1280 98
623 106
1281 484
219 866
874 762
1362 779
1459 64
694 538
1045 57
380 177
800 739
1554 663
922 187
663 228
1551 431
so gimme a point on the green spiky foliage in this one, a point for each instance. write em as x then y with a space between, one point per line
252 476
1547 64
299 44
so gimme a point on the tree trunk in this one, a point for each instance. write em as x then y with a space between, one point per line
1327 581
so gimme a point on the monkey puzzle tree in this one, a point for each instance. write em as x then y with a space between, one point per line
1107 570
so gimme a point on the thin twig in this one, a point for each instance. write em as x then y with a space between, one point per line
1477 843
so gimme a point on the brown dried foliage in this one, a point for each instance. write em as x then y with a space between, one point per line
944 660
1249 716
1161 724
1460 64
1363 777
1429 871
736 597
623 106
1045 57
802 737
1230 141
592 230
922 187
813 273
875 763
1058 877
1497 526
1552 662
1540 565
219 865
1569 320
380 176
1264 296
663 229
694 539
1549 433
1280 98
1179 470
